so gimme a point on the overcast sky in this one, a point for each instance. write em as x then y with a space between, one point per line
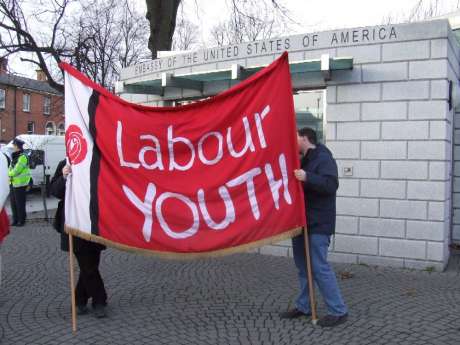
318 15
311 15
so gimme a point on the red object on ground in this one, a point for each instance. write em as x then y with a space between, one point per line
4 225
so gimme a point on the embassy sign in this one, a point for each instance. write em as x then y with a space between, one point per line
310 41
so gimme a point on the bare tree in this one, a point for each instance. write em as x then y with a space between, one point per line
111 35
16 35
186 33
134 32
222 33
97 36
250 21
424 9
245 21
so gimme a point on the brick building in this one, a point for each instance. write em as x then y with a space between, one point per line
28 106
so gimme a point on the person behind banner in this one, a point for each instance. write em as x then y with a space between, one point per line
4 182
20 177
319 177
88 254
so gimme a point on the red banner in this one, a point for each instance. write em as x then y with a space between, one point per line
214 176
4 191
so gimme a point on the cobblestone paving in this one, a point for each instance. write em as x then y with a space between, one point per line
231 300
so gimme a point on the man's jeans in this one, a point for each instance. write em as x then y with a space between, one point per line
323 274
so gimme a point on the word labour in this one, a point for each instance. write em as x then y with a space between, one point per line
214 140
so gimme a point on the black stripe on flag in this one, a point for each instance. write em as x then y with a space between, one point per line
95 165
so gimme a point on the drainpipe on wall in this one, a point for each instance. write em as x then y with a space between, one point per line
15 112
452 176
454 91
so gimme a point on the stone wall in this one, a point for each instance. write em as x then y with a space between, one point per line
388 120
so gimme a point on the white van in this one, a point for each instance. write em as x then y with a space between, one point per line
44 152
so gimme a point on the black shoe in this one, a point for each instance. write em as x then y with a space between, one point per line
20 224
14 224
100 311
82 309
332 320
293 314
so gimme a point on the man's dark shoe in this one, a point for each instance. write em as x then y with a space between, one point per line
293 314
20 224
100 311
332 320
14 223
82 309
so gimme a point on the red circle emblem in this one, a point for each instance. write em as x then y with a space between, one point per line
75 144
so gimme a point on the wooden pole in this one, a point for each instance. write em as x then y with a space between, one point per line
311 290
72 284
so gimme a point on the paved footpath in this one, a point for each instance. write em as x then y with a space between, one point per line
231 300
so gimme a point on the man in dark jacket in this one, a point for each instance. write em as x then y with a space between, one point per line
88 254
319 177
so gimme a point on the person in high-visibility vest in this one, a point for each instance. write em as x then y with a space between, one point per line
19 175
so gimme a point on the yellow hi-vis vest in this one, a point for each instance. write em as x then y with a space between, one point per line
20 173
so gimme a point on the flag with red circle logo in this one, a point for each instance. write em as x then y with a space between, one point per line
211 177
75 144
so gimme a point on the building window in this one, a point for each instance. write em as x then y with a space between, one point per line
2 98
26 102
30 127
309 107
61 129
50 129
46 105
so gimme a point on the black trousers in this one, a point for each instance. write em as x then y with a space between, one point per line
18 204
90 284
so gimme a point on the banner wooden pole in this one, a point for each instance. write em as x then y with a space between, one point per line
311 290
72 284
